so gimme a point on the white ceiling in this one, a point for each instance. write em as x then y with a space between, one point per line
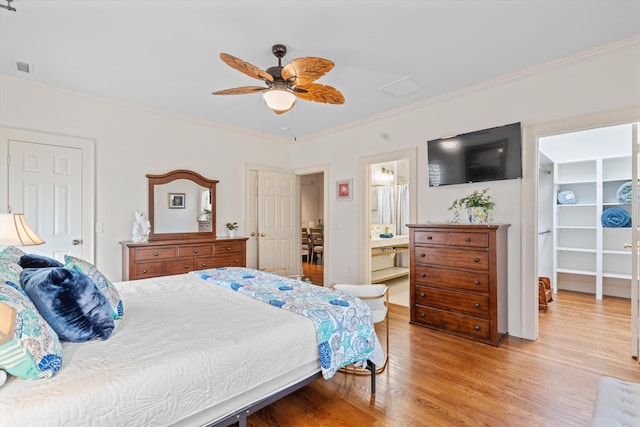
164 55
589 144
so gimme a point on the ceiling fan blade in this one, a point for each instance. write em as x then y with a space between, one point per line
284 111
240 90
319 93
303 71
246 68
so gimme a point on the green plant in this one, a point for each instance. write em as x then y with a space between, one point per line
232 226
477 199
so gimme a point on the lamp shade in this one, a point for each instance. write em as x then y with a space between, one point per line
278 99
15 231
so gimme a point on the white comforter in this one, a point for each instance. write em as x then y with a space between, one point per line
186 352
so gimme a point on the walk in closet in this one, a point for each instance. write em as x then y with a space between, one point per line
591 210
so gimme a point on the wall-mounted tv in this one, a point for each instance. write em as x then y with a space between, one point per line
485 155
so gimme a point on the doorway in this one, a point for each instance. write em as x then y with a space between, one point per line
588 167
588 190
312 224
50 179
390 205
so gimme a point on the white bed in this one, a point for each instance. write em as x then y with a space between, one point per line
186 353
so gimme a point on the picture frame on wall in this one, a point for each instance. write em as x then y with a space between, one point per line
344 189
176 200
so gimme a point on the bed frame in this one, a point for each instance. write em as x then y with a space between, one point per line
241 415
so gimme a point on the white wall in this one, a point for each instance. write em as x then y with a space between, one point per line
131 142
598 82
311 199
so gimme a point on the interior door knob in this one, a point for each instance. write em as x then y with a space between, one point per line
262 234
76 242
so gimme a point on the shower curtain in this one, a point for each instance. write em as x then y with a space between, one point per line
386 205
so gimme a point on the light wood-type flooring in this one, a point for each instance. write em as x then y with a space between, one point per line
437 379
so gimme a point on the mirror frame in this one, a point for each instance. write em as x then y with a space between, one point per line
172 176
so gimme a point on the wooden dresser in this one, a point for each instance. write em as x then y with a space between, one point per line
458 279
167 257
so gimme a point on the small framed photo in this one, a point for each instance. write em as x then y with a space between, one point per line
176 200
344 189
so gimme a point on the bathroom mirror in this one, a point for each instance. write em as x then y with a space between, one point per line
182 205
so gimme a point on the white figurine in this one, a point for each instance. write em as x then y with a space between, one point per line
141 228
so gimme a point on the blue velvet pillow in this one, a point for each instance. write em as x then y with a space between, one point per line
70 302
38 261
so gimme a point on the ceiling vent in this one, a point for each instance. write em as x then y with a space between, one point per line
23 66
403 87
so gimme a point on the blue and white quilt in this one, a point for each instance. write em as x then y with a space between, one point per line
344 325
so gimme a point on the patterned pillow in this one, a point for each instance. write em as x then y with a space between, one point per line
35 351
105 285
11 253
70 302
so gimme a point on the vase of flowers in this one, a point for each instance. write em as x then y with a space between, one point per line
477 207
231 228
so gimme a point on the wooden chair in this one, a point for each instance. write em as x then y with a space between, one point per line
306 245
545 294
317 244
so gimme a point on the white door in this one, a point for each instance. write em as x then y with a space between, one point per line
276 210
635 251
46 181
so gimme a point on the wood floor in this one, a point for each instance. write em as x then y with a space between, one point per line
314 272
436 379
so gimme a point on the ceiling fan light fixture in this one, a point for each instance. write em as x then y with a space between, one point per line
279 99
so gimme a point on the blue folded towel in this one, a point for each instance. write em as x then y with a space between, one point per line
566 197
624 193
386 235
615 217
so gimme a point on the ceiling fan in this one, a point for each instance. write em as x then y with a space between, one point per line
284 84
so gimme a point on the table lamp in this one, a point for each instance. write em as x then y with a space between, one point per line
15 231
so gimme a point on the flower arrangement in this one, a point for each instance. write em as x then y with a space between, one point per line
232 226
478 204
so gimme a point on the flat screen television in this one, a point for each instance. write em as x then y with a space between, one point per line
485 155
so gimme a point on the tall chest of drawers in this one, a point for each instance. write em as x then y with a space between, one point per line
458 279
168 257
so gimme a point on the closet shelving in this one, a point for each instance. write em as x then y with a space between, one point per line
583 247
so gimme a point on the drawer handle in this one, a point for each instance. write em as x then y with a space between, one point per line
195 251
477 282
422 294
228 248
476 260
204 264
476 305
156 254
144 271
429 237
237 261
423 275
467 239
422 255
421 314
477 328
186 266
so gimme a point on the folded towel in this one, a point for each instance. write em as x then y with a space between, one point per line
615 217
386 235
566 197
624 193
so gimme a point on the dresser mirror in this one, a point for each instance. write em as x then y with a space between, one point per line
182 205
